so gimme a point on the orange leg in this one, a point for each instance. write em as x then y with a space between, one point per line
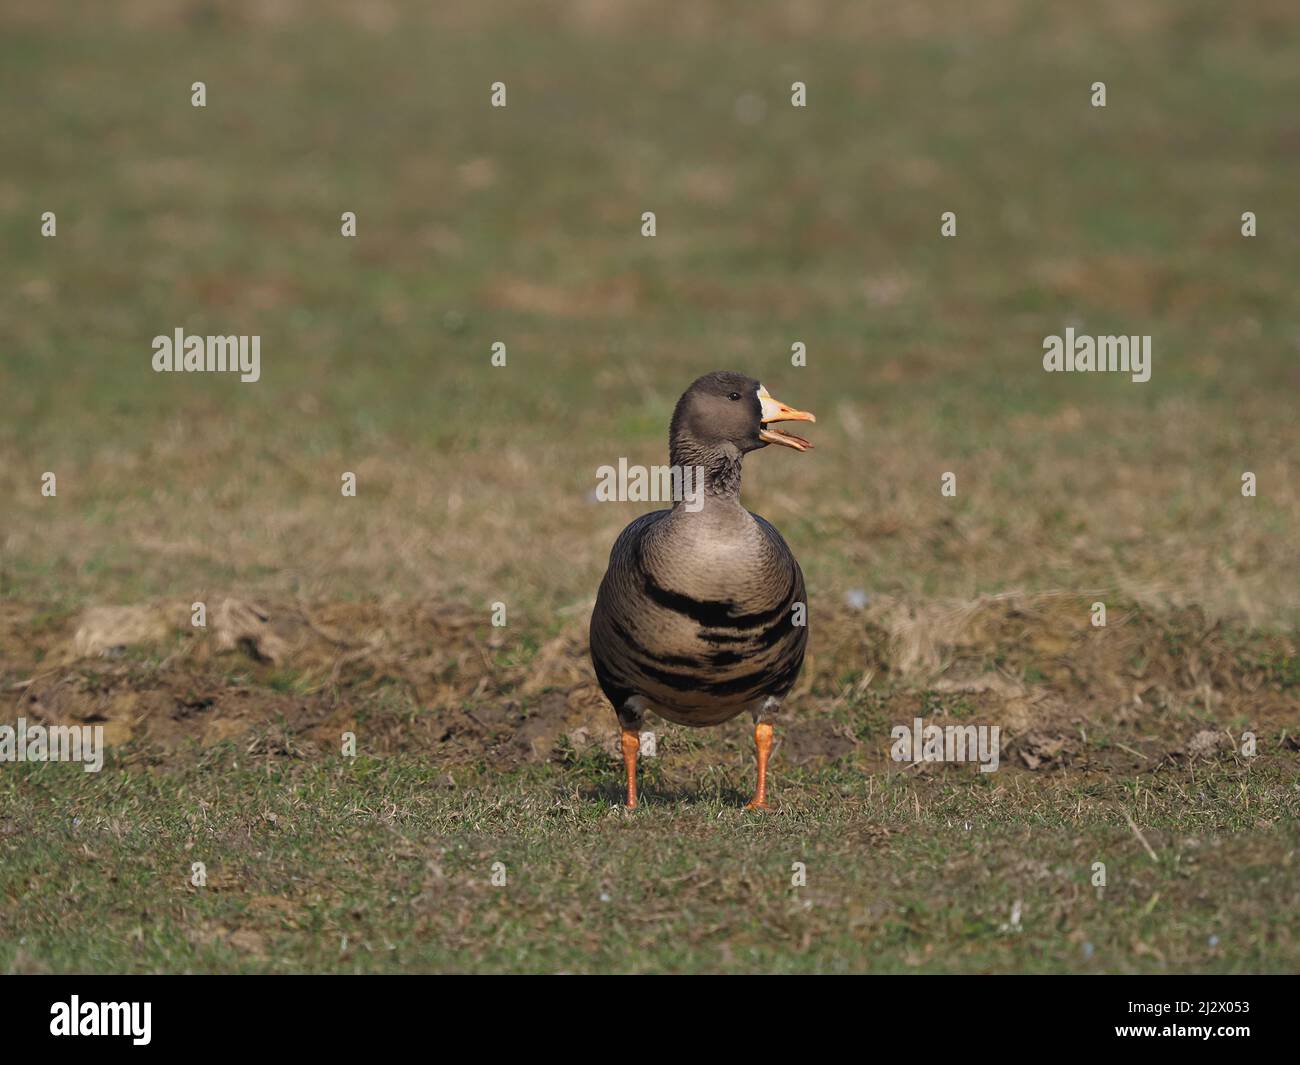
763 741
631 745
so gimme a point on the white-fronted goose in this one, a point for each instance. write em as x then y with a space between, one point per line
696 618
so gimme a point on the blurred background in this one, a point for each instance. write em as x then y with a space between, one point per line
522 224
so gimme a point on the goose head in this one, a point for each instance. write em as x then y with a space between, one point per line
725 408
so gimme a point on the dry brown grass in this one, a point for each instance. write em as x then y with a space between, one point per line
1160 522
1144 690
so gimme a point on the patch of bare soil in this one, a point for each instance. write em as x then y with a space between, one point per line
1147 692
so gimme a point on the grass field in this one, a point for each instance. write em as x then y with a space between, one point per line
1123 745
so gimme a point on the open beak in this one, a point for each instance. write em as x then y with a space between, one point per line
776 411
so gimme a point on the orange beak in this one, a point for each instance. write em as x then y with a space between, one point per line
776 411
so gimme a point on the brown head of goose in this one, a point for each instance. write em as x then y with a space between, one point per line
701 614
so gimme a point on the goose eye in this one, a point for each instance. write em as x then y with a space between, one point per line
734 395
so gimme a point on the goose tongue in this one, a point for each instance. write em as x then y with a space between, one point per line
776 411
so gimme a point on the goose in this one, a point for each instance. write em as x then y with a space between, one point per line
701 614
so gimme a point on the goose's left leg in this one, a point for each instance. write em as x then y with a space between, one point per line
763 743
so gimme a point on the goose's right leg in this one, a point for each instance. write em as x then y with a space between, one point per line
630 718
631 747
